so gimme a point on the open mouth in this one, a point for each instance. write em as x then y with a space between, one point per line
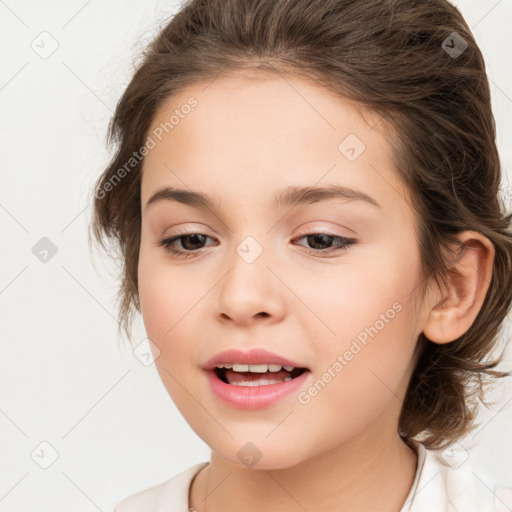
256 375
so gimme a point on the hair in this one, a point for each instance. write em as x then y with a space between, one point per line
390 57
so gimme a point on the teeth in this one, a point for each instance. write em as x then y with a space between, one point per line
255 368
258 368
261 382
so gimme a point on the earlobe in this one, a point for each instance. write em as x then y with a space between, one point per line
467 283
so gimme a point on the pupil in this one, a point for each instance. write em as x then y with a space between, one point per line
325 239
195 236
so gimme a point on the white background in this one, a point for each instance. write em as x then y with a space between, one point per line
65 378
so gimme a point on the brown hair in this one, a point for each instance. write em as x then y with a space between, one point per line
396 58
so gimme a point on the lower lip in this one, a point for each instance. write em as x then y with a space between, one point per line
253 397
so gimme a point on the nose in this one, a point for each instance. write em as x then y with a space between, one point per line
250 293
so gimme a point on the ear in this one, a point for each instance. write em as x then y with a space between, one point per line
468 279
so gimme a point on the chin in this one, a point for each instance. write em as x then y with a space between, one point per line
260 456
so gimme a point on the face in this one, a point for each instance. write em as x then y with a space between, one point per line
328 282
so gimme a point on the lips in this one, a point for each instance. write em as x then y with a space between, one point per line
251 378
256 369
254 356
255 379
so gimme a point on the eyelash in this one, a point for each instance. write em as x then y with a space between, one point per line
345 244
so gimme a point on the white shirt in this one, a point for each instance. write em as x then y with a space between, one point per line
444 482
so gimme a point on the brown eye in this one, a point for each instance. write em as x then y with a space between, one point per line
316 241
190 243
321 243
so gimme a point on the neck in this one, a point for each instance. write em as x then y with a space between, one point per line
354 476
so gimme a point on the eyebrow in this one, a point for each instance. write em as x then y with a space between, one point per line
290 196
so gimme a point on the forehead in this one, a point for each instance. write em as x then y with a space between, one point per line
252 133
267 107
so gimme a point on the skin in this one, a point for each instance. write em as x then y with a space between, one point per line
250 135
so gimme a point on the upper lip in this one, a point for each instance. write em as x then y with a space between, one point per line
252 356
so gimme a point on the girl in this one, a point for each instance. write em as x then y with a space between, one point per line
305 195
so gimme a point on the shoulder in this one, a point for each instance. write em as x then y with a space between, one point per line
171 493
446 481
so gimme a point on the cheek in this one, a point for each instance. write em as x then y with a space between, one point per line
165 292
166 305
369 309
360 383
350 296
166 299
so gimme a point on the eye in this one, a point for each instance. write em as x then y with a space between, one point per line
318 241
190 243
